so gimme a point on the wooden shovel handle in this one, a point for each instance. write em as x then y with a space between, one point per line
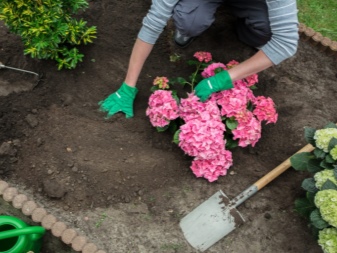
262 182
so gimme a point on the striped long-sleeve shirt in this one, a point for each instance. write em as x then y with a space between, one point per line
282 16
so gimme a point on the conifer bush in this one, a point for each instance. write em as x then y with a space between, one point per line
48 28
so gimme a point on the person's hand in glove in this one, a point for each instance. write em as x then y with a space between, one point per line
218 82
120 101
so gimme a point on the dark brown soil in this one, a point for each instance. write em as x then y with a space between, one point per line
61 146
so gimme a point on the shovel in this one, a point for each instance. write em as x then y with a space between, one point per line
218 216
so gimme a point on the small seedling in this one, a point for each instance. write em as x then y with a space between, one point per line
171 246
175 57
101 220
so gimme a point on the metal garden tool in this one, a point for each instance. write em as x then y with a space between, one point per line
2 66
218 216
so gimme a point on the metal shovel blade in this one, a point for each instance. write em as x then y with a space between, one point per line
210 221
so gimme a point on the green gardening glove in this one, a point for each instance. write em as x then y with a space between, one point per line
120 101
218 82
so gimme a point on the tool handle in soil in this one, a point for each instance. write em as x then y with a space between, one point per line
262 182
22 70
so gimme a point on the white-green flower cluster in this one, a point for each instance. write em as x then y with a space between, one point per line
333 153
326 201
327 239
323 136
322 176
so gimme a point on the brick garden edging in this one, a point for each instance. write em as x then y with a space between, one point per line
324 44
38 214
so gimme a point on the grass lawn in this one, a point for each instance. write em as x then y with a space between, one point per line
319 15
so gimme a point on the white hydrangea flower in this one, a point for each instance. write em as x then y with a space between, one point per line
323 136
327 239
326 201
333 153
322 176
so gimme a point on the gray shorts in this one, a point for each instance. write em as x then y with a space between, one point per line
192 17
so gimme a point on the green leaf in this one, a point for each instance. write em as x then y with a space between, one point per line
326 165
175 96
311 197
309 135
218 70
308 184
173 126
178 80
162 129
335 172
176 137
250 106
154 88
314 166
300 161
329 159
231 123
253 87
329 185
230 143
319 153
330 125
304 207
332 143
317 220
192 62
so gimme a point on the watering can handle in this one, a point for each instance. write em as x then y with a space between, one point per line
35 230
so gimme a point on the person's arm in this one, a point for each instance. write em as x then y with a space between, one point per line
284 27
282 45
153 25
140 52
253 65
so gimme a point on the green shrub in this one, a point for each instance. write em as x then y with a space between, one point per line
48 29
320 203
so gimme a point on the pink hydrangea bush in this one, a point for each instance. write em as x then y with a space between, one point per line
203 139
214 167
162 108
162 82
203 56
212 68
207 130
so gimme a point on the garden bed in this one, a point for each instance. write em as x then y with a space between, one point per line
126 186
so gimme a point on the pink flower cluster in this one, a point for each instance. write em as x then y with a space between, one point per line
234 103
203 56
210 70
161 82
265 109
202 135
162 108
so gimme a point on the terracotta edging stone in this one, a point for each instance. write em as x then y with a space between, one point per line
38 214
316 39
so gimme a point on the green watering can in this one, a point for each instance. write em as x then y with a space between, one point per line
18 237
